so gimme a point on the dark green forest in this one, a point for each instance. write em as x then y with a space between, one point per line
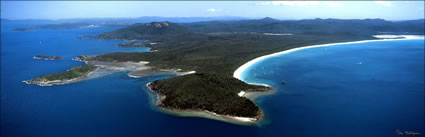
206 92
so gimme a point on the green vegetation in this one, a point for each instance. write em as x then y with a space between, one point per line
222 54
216 49
222 46
206 92
312 26
155 31
70 74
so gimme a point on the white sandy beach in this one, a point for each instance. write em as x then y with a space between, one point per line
239 72
136 74
186 73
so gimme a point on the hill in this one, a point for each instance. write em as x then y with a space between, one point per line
154 31
311 26
166 31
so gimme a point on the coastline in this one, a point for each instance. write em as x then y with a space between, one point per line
156 101
61 82
103 69
136 70
238 73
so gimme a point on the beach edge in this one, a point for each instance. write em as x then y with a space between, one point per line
238 73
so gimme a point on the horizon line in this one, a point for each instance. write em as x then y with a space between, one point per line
241 17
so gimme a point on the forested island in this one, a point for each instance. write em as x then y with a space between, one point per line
215 49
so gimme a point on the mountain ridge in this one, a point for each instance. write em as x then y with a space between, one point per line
154 31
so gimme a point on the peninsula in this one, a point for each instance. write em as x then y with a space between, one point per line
217 96
72 75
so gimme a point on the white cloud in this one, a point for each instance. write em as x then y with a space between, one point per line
214 10
384 3
306 4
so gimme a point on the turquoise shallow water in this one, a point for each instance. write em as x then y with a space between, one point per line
328 93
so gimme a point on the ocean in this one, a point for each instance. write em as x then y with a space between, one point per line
366 89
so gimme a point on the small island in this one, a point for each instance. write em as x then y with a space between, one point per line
72 75
48 57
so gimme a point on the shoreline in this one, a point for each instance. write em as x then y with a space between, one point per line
238 73
61 82
152 72
103 69
156 101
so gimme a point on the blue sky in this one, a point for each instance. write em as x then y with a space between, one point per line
390 10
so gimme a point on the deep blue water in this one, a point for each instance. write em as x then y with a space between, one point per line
327 92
